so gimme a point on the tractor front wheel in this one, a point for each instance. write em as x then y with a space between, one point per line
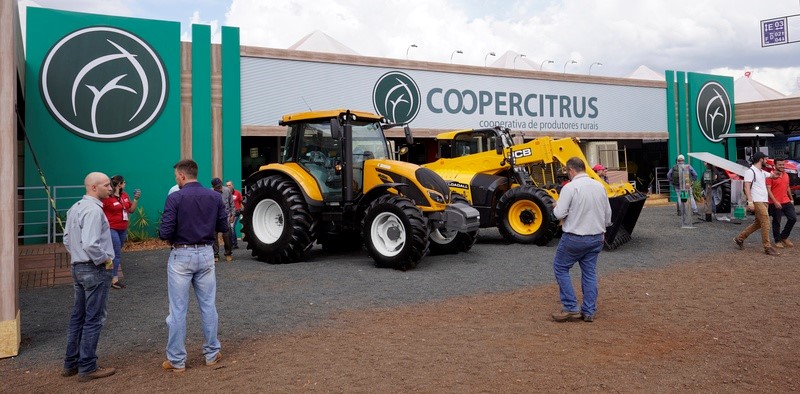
452 242
395 232
524 215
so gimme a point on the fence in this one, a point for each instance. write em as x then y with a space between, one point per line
38 222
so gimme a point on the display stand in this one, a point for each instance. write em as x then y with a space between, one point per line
685 197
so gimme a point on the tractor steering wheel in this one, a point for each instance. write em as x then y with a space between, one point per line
316 157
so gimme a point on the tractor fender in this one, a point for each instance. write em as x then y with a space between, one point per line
484 188
376 192
307 184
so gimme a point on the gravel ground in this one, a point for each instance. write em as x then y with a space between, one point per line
256 299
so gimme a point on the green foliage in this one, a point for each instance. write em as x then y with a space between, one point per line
697 190
137 230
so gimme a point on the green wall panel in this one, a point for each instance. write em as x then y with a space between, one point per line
231 107
693 98
146 158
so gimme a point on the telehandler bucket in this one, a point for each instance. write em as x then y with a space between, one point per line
625 211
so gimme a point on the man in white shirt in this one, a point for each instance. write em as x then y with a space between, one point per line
755 189
583 204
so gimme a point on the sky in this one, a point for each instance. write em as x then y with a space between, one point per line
710 36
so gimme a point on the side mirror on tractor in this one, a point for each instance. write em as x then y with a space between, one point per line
336 129
409 137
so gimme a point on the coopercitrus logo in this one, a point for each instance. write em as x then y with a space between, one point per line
713 111
396 96
103 83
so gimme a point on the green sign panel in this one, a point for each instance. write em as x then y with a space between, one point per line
103 94
700 111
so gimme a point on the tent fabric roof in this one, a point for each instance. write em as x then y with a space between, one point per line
644 72
747 90
318 41
506 60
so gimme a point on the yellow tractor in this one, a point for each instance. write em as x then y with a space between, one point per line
514 186
336 185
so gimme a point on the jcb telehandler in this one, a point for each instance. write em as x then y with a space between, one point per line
336 185
514 186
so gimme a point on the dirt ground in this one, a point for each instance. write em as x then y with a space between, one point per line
726 323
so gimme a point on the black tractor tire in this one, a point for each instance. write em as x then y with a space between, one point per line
525 215
449 244
395 232
724 205
276 222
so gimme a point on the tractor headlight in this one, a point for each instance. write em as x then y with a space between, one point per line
436 196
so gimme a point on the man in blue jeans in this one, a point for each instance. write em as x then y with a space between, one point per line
87 237
192 218
584 207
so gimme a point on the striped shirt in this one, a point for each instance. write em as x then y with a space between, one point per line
583 204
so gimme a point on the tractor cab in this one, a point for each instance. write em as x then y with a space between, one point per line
311 144
466 142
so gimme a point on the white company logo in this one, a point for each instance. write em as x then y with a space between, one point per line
396 97
714 113
103 83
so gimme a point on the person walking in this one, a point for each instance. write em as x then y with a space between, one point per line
192 218
674 179
584 207
87 237
117 208
781 204
237 210
227 202
755 189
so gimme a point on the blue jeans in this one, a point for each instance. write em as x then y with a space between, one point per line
191 267
584 250
118 238
232 232
88 316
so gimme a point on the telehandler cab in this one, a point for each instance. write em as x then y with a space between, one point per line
336 185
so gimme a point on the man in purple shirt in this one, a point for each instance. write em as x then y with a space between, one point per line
192 217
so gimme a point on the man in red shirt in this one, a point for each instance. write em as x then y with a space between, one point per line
781 204
237 210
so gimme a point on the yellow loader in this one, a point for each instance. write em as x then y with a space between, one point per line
514 186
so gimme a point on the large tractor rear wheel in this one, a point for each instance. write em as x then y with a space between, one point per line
276 222
524 215
395 232
452 242
724 205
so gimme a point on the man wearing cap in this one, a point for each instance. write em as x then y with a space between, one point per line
601 172
755 189
674 179
227 201
192 217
